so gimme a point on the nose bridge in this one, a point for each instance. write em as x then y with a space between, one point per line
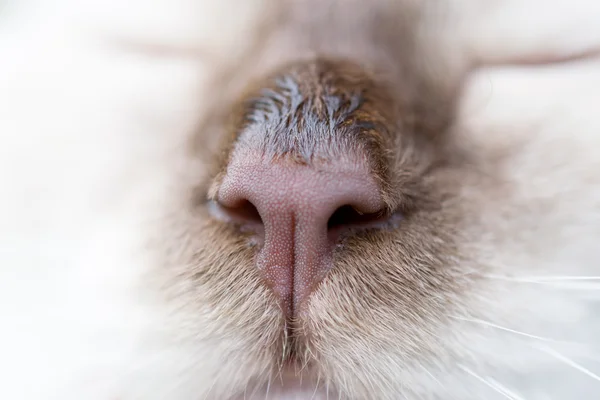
293 253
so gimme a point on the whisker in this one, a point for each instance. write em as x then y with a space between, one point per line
569 362
553 278
567 282
492 385
505 389
434 378
492 325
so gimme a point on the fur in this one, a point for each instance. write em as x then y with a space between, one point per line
115 283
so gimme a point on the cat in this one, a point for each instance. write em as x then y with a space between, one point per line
469 277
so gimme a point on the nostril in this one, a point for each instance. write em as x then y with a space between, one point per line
349 217
242 213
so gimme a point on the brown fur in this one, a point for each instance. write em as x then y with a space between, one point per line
389 292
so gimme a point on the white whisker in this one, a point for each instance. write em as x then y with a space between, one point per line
561 278
563 282
492 325
491 384
434 378
569 362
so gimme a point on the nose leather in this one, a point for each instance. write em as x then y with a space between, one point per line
295 203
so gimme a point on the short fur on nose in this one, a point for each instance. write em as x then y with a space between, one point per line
299 212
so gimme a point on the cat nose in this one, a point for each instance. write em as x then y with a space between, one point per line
299 213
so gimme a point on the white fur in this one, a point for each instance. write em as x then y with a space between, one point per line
85 127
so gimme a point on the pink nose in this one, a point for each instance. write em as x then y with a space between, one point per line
299 213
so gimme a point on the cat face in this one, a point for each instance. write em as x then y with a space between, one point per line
456 291
391 285
466 280
414 307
